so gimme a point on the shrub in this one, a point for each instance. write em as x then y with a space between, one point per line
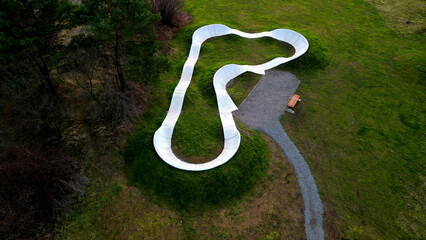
34 186
114 108
81 59
30 112
167 9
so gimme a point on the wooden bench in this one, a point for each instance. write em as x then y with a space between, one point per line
294 99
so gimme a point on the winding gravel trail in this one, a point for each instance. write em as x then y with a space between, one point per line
262 110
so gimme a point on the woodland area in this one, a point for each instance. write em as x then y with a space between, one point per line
74 77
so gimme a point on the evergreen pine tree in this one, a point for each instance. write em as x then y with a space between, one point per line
122 24
28 29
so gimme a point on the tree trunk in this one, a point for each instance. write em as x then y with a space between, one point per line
43 65
117 62
51 88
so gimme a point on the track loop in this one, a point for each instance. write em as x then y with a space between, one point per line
163 136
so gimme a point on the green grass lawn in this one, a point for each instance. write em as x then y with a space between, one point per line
360 125
113 209
198 135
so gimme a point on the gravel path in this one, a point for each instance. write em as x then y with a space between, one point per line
262 110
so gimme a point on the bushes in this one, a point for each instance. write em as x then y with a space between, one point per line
30 113
115 108
167 9
34 185
195 190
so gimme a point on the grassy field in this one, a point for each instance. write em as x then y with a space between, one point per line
113 209
360 126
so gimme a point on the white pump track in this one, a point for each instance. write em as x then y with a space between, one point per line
163 136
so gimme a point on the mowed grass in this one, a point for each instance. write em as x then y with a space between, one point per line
199 131
361 124
195 191
198 135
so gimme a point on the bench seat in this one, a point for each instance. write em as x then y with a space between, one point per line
293 100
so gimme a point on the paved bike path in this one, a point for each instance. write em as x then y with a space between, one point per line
262 110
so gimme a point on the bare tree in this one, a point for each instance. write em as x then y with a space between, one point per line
81 63
30 112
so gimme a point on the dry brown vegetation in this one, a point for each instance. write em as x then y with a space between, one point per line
406 16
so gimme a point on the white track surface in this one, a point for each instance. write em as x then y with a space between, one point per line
163 136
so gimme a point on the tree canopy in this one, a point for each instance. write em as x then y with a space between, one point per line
124 25
28 29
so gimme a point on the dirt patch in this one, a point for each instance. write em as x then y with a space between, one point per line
402 16
332 222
